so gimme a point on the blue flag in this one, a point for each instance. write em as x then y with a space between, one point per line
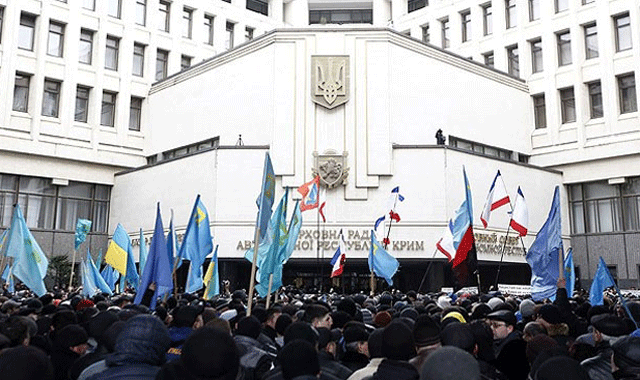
211 278
7 276
157 269
172 245
271 262
544 254
197 244
194 278
30 263
601 281
89 288
110 276
570 272
143 253
381 263
267 195
294 231
83 226
99 260
96 278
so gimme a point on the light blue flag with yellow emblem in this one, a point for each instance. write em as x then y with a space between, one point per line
110 276
601 281
197 241
271 262
381 263
172 245
93 277
83 226
30 263
570 272
211 278
7 276
293 232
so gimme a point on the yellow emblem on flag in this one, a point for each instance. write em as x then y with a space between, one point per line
200 215
116 257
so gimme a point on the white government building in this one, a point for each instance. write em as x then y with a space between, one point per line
111 106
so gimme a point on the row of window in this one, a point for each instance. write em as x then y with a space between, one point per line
602 207
51 102
626 98
487 150
48 206
55 42
621 25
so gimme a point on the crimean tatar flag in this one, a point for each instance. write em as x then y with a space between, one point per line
496 198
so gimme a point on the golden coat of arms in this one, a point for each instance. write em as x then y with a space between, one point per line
329 80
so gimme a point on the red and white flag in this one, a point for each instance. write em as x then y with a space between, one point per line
323 202
310 194
339 257
520 215
445 244
496 198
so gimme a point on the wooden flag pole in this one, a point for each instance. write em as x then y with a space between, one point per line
269 291
504 247
73 264
252 281
561 264
372 284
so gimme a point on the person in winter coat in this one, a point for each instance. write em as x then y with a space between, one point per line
185 320
140 351
607 329
327 345
509 347
255 361
626 358
70 344
398 348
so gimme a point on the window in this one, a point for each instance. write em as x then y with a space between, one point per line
187 22
111 54
82 200
485 150
26 31
113 8
595 99
229 40
487 19
534 10
89 4
466 25
564 48
85 48
108 114
37 198
1 18
208 29
135 114
51 98
511 16
488 59
138 60
164 15
539 111
259 6
414 5
21 93
584 2
562 5
567 105
591 41
595 207
513 64
82 104
162 60
248 33
536 55
141 12
622 25
627 93
444 24
55 45
631 204
341 16
425 33
185 62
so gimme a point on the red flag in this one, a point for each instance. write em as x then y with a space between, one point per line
310 193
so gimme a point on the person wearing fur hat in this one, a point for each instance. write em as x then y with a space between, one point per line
356 354
68 346
551 318
426 335
509 347
626 359
398 347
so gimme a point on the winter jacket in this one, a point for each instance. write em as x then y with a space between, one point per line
178 336
395 370
255 361
328 364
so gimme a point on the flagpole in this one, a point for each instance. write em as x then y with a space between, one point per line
322 254
427 271
252 281
269 291
318 245
504 247
73 264
372 284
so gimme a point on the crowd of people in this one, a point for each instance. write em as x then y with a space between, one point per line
388 336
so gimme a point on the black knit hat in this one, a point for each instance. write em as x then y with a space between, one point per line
185 316
397 342
426 332
300 330
71 336
458 335
551 314
450 363
210 354
298 358
561 368
355 333
249 326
